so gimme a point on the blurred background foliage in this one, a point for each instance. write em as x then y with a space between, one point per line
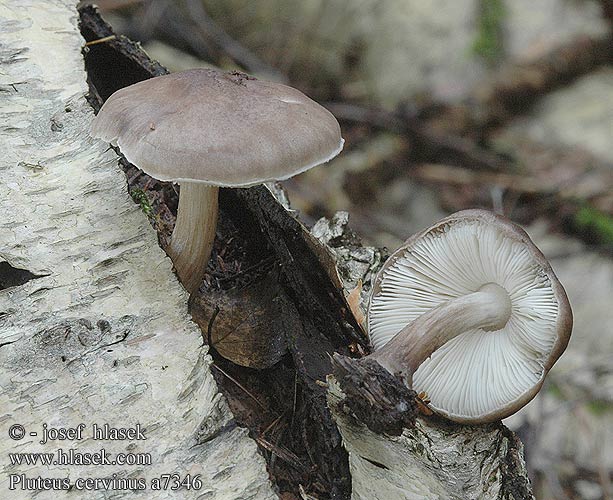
445 105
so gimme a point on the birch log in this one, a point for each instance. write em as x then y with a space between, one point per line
429 459
93 323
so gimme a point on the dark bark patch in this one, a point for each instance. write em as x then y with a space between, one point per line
515 485
12 276
374 396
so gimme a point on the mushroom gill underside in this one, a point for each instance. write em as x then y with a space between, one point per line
475 370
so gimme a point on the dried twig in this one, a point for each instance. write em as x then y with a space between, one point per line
209 29
438 147
101 40
517 86
240 386
462 176
272 424
282 453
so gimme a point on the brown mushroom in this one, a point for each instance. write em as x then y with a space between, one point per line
470 311
207 129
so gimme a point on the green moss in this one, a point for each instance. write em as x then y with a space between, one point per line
139 196
590 219
555 391
599 407
488 43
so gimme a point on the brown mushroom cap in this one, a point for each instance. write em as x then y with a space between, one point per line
224 129
479 375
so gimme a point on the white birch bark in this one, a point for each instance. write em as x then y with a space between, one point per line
104 336
430 461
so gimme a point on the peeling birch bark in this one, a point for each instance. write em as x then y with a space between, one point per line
96 329
435 459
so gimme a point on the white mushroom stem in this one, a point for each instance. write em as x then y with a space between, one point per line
194 233
489 308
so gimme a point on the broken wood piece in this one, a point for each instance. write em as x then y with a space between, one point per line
417 456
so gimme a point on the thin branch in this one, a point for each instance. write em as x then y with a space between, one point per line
450 147
240 386
211 30
282 453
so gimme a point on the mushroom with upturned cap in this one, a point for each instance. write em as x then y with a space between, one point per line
204 129
470 312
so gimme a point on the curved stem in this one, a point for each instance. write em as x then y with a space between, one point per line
489 308
192 239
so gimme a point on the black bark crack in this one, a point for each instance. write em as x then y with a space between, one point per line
12 276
